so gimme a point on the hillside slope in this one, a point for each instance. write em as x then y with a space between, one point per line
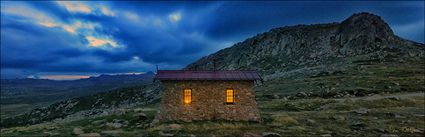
288 48
21 95
101 103
356 57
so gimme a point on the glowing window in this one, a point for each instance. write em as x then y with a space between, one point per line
230 96
187 97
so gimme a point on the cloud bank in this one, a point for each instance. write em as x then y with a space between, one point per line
75 38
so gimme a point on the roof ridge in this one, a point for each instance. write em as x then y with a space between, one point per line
207 75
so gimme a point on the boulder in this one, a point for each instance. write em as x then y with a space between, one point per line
114 125
358 126
141 116
154 122
301 94
249 134
311 121
174 127
396 83
395 115
271 134
390 114
275 96
112 132
393 98
51 133
77 131
338 118
399 116
388 135
296 128
90 135
165 134
361 111
137 110
381 130
117 125
419 115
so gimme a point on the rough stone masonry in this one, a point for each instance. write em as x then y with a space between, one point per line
208 101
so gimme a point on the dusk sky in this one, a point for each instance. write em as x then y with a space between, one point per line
77 39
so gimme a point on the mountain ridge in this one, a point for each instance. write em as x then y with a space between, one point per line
293 46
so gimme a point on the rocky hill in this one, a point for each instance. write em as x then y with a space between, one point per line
357 57
287 48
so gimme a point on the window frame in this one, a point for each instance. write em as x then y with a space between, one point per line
184 96
233 96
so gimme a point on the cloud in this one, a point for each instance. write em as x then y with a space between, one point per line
89 38
61 77
175 17
48 24
75 7
27 48
101 42
136 58
69 29
29 14
131 16
147 21
106 11
76 27
78 7
80 27
32 15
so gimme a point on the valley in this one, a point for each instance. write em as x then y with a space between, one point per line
21 95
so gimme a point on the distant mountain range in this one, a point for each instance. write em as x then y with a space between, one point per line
40 90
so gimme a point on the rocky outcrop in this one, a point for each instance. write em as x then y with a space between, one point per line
288 48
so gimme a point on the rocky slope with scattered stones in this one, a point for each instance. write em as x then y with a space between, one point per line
291 48
94 105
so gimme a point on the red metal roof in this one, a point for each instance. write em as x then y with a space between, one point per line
206 75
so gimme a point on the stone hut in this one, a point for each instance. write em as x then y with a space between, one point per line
208 95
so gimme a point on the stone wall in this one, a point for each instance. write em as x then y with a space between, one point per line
208 101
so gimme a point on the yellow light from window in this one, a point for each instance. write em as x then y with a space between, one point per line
187 96
230 96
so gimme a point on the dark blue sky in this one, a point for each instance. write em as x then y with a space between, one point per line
49 39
